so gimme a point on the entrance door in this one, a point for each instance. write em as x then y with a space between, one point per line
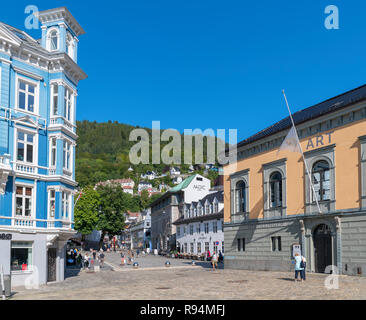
322 247
51 275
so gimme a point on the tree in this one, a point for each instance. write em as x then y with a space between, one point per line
144 198
113 204
86 211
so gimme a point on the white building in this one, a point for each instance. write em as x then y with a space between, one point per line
200 226
177 180
149 175
143 185
175 171
166 209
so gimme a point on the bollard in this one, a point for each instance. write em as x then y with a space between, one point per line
135 265
193 263
167 263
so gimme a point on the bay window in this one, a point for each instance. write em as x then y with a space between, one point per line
23 201
67 155
53 152
68 104
25 147
54 99
52 203
66 202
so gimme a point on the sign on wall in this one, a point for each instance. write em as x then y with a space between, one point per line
296 248
5 236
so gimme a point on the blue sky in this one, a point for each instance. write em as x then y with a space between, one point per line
209 64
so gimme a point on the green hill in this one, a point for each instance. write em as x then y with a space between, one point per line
102 153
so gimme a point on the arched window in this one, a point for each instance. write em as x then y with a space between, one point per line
275 183
321 180
53 40
240 197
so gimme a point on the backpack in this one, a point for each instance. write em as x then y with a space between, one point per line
302 263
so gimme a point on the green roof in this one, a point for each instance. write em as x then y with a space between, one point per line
184 184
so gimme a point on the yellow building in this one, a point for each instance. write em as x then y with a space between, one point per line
270 206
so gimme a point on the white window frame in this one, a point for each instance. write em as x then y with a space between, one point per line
50 216
48 39
68 101
32 197
31 246
35 147
68 142
53 84
52 148
66 205
35 83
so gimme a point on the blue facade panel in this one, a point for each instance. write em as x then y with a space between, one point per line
27 127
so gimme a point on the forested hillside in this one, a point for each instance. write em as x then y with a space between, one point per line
102 153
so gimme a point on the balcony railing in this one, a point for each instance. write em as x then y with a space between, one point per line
26 168
59 120
23 222
29 223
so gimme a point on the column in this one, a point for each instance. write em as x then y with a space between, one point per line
338 242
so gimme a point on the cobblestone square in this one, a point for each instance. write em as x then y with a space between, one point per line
153 281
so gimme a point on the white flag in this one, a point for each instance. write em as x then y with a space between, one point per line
291 142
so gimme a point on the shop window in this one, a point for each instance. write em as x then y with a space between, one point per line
21 256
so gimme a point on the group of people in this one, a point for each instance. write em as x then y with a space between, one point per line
300 266
129 256
90 258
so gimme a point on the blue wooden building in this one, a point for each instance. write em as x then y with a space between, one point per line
38 99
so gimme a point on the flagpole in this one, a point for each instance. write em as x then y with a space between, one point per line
302 153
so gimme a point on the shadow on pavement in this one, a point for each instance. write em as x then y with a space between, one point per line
286 279
72 272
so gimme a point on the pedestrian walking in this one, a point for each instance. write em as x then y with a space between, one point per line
122 258
214 261
94 254
79 260
221 257
137 253
101 258
298 269
86 261
303 265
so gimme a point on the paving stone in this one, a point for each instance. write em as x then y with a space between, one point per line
182 281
